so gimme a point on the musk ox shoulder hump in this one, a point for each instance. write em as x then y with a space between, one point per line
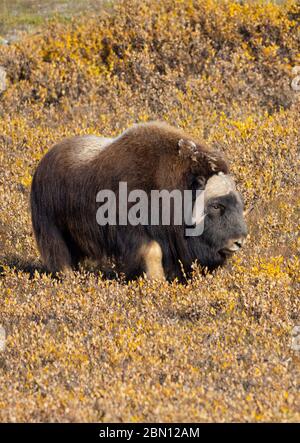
87 147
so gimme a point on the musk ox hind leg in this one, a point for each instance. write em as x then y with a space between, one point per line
54 251
152 257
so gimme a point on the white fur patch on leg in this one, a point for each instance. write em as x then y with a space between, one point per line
152 255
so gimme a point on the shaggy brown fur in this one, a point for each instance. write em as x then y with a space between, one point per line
146 156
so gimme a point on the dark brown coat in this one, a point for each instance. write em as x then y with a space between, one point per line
146 156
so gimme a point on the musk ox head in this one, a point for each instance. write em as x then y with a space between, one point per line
224 227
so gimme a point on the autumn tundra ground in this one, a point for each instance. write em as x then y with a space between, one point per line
221 347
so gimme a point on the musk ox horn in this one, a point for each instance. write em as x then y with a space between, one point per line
216 186
187 148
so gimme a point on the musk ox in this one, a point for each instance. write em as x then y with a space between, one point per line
150 156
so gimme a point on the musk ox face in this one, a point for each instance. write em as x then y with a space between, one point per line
224 227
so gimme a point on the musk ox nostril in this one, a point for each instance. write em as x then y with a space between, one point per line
238 243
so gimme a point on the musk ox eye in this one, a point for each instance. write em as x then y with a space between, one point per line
217 208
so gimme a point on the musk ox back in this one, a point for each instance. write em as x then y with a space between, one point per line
146 157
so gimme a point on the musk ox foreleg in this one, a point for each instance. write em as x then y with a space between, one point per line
152 256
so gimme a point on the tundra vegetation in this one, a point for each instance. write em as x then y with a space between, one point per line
222 345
